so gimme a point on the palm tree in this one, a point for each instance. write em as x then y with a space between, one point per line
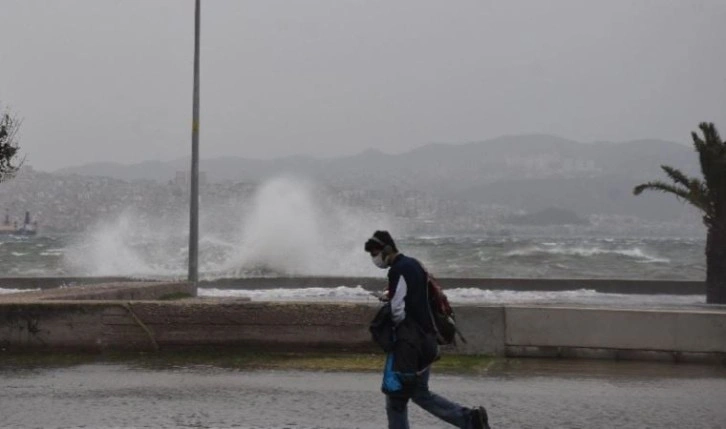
708 195
8 146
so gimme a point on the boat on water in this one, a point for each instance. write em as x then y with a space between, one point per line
28 228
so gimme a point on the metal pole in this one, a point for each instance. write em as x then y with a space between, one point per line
194 199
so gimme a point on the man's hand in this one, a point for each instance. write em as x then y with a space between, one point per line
382 295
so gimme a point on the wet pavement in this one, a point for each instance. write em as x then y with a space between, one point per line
518 394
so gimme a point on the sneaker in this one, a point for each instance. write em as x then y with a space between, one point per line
479 418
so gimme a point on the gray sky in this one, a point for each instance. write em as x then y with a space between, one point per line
110 80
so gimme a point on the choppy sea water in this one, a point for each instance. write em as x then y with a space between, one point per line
454 256
162 257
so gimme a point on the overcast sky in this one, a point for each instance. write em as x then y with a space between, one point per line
111 80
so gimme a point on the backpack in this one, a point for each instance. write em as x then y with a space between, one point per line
442 315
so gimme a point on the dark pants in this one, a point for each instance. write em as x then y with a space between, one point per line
450 412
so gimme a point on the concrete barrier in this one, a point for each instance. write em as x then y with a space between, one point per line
483 328
128 316
123 290
686 334
658 330
99 326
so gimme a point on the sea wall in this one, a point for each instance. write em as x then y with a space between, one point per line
113 290
99 325
686 334
683 334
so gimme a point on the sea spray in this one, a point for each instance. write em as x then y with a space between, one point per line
130 244
287 227
293 229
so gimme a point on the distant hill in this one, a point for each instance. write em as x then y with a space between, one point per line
530 172
508 157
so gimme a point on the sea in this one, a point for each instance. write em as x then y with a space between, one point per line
163 256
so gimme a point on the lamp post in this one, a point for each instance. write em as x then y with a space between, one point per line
194 198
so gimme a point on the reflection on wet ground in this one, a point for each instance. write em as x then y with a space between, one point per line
518 393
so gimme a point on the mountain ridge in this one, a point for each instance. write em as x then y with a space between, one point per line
508 174
512 150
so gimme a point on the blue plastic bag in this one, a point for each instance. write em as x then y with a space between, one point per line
391 380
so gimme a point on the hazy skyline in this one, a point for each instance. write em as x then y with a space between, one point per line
107 80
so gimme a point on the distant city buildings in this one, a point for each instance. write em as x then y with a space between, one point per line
183 178
68 203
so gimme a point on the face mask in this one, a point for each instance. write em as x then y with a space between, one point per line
378 261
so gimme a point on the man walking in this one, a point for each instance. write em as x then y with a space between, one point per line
414 340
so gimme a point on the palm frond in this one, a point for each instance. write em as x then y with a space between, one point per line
710 134
677 176
712 157
680 192
657 185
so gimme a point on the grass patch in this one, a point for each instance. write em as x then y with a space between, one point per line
238 359
22 360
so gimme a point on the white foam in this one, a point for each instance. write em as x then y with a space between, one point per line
337 294
4 291
457 295
52 252
585 296
635 252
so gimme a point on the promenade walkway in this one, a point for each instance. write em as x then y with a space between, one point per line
519 394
